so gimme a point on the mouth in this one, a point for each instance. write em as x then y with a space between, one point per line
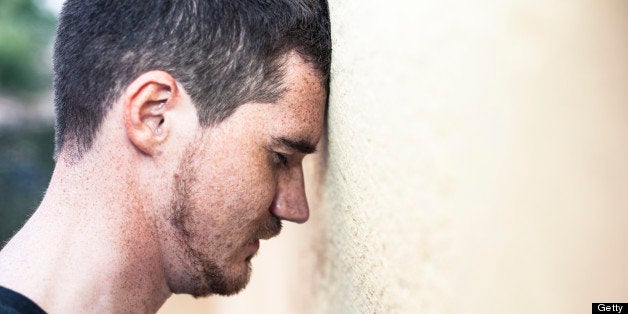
269 228
252 247
266 231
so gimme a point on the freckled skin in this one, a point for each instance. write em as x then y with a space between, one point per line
235 190
160 204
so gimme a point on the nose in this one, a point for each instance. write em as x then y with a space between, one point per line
290 202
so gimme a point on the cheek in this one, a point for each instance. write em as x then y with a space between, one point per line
239 189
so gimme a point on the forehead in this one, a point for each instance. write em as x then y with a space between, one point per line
304 98
298 115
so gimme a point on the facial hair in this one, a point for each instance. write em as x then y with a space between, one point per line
206 277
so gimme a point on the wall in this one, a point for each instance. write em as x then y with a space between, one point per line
476 162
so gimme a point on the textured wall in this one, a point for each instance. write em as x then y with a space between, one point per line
477 161
478 157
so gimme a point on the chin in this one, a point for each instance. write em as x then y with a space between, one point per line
224 282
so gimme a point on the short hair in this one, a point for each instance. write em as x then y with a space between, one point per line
223 52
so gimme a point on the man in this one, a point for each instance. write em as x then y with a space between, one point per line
180 131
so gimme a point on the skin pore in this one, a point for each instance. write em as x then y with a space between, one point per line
207 274
161 205
234 187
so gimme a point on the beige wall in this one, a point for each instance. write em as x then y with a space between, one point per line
477 162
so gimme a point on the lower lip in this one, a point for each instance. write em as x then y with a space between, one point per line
255 245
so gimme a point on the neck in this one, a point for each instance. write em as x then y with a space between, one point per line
89 247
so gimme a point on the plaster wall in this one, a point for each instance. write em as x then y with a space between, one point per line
476 162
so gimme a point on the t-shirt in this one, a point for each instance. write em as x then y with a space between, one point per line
12 302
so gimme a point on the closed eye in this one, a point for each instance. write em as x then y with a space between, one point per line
282 159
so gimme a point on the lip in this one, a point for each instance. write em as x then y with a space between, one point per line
254 244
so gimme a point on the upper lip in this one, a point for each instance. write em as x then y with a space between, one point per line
271 230
263 237
267 236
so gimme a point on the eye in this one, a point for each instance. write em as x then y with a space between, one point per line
282 159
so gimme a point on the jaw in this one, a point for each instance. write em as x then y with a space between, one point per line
190 270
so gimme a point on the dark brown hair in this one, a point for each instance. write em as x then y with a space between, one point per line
224 52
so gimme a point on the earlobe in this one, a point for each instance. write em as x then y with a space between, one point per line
147 104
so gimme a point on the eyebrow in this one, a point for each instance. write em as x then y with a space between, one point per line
300 145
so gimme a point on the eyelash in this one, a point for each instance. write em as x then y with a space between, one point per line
283 159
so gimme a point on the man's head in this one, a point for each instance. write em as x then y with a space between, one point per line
224 53
205 109
240 179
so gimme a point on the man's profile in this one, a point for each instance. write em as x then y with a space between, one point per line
180 131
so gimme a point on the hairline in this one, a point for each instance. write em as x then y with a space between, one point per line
72 155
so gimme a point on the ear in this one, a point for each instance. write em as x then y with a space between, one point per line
147 104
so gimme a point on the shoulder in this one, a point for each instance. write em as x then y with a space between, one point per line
12 302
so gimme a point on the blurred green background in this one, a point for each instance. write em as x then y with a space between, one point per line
26 109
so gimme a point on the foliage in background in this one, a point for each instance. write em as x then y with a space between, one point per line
25 35
25 170
26 163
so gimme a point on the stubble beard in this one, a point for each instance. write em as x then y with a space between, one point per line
205 275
